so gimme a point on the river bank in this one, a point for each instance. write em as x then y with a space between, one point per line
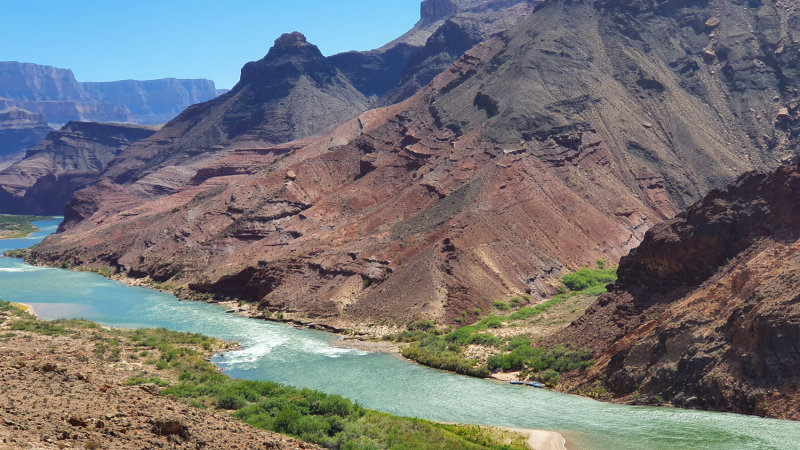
66 385
536 439
18 226
139 373
306 358
553 315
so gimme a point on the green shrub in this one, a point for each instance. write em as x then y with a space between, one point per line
422 325
40 327
550 377
134 381
333 405
484 339
445 361
489 322
501 305
586 278
559 359
516 302
231 402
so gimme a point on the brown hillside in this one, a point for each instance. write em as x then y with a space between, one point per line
539 151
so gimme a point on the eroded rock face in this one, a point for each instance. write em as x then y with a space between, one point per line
705 311
446 30
67 160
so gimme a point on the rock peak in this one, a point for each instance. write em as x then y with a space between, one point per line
295 39
292 45
432 10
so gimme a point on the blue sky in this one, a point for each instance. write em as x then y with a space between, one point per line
146 39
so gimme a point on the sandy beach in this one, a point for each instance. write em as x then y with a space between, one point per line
504 376
367 346
542 439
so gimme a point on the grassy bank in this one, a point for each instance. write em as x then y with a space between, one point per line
176 362
499 342
14 227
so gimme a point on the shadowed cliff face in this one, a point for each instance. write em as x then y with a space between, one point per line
446 29
538 151
705 312
312 92
67 160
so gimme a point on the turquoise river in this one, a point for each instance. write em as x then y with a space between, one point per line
306 358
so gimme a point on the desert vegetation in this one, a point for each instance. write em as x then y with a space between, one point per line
508 351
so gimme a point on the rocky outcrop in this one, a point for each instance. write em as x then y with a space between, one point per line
313 93
705 311
19 130
56 94
67 160
90 402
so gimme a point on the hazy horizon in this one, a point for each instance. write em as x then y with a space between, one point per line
188 39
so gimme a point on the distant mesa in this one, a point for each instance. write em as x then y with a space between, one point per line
55 93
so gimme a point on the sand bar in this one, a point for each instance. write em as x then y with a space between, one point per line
542 439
